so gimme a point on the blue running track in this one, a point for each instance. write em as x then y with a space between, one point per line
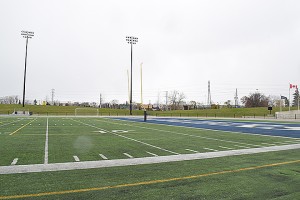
262 128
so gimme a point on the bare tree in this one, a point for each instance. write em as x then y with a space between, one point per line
172 99
255 100
193 104
175 99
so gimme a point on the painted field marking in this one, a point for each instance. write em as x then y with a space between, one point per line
119 131
288 141
103 156
146 144
128 155
99 132
225 147
46 145
198 136
153 154
14 162
131 139
268 144
256 134
149 182
210 149
241 146
76 158
192 150
22 127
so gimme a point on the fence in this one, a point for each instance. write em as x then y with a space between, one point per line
156 114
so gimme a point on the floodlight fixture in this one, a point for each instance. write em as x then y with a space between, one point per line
26 34
131 40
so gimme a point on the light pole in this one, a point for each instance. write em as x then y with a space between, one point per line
26 34
131 40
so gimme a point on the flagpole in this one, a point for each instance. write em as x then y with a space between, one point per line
280 103
290 98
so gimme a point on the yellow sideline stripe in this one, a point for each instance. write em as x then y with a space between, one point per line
146 182
21 127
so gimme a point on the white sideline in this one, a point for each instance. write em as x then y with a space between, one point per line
137 161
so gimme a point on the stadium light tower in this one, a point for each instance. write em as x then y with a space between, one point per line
131 40
26 34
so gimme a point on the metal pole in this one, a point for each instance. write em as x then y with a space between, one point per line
142 83
131 83
25 72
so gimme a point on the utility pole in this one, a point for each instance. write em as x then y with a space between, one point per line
52 96
26 34
100 104
236 98
131 40
209 95
166 100
141 83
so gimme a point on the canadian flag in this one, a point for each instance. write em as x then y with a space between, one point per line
293 86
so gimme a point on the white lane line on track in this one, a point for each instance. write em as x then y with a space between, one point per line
46 144
76 158
128 155
103 156
14 162
257 134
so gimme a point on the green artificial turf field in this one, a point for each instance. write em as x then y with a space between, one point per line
42 140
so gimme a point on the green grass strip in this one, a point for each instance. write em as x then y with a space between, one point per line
148 182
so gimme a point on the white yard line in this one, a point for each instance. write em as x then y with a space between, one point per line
145 143
137 161
198 136
14 162
46 144
76 158
153 154
10 122
210 149
192 150
128 155
130 138
225 147
103 156
241 146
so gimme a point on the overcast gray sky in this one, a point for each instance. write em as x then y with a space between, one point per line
80 50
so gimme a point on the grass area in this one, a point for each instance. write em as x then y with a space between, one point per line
24 138
70 111
280 182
